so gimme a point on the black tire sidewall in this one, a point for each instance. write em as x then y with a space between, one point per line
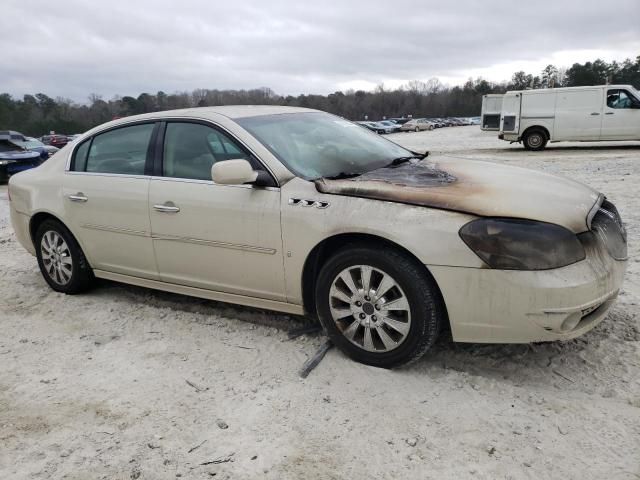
81 273
542 144
421 292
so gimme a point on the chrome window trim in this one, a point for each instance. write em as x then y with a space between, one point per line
213 123
233 137
100 174
210 182
81 140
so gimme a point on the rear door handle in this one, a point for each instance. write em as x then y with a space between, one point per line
609 113
167 207
78 197
595 113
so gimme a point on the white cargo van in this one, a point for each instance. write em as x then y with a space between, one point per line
586 114
490 115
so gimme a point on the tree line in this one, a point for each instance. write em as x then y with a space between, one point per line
38 114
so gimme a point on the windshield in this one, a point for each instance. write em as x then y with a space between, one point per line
316 144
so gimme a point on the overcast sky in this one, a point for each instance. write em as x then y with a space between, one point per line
73 48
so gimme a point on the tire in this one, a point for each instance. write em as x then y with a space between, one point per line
417 129
415 329
535 140
61 260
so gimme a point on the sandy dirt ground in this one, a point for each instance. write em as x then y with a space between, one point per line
128 383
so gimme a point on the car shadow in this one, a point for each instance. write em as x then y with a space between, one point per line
563 364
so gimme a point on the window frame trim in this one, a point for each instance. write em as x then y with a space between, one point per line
150 150
159 151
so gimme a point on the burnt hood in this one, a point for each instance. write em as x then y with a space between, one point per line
474 187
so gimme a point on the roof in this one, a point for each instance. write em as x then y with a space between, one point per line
230 111
561 89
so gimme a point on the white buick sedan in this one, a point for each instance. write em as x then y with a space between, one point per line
299 211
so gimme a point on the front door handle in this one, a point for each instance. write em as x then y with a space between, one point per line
78 197
595 113
609 113
167 207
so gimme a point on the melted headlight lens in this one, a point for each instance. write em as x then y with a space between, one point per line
515 244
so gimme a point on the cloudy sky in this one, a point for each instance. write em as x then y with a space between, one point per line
73 48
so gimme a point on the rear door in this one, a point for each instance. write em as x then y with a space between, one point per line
225 238
578 114
510 116
106 200
621 120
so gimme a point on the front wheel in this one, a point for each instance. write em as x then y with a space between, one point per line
379 306
534 140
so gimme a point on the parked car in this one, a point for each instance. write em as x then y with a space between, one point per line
400 121
21 141
238 204
57 141
436 123
376 127
14 159
394 127
35 145
584 114
417 125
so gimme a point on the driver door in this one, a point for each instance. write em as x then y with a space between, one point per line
621 119
225 238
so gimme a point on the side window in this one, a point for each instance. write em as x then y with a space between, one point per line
80 157
123 150
619 99
190 149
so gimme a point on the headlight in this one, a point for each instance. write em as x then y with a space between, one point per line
5 162
514 244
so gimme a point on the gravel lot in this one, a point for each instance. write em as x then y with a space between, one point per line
127 383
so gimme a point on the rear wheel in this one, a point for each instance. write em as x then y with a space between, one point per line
417 129
534 140
378 306
61 260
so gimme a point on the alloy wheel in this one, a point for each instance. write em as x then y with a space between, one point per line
370 308
56 257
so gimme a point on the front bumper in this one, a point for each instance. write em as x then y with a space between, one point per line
503 306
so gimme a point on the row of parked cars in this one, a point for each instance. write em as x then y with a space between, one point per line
394 125
19 152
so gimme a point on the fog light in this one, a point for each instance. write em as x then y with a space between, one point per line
571 322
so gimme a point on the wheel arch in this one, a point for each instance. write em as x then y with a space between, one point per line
39 217
323 251
541 128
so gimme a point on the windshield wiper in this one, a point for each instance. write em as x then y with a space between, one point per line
400 160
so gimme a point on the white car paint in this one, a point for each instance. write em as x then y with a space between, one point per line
249 245
570 114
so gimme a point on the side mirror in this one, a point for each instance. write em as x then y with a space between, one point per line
233 172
